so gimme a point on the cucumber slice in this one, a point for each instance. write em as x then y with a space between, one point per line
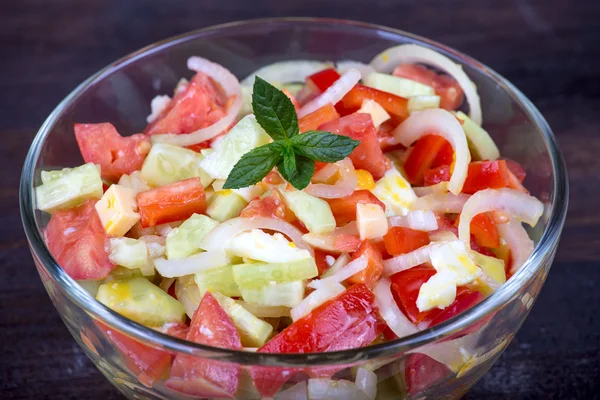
68 187
218 279
418 103
314 213
225 204
258 275
141 301
167 164
131 254
399 86
480 143
254 332
288 294
184 240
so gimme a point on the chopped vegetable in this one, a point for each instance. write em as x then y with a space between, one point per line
258 275
288 294
371 221
218 279
117 210
166 164
225 204
131 254
185 240
396 85
482 146
314 213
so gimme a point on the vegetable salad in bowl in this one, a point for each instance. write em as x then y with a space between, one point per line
313 207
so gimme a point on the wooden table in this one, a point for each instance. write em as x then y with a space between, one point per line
550 49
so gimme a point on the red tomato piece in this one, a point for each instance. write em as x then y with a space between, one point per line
266 207
78 242
312 121
292 99
399 240
465 299
200 104
177 329
368 154
317 331
450 92
148 363
195 376
516 169
485 232
344 208
396 106
346 243
436 175
174 202
386 138
322 265
117 155
424 155
405 287
486 175
422 372
322 80
370 275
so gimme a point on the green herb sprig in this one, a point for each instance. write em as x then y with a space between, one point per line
294 154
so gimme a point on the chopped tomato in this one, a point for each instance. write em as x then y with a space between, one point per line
427 152
148 363
486 175
320 260
200 104
117 155
346 243
312 121
268 206
434 176
422 372
399 240
322 80
292 99
465 299
450 92
197 376
370 275
396 106
405 287
78 242
177 329
368 154
484 231
344 208
386 138
174 202
330 324
516 169
199 146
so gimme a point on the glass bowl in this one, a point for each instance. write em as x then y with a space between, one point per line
121 93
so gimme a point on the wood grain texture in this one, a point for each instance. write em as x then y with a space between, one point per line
547 48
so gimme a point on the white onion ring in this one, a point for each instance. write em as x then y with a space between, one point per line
290 71
217 238
188 294
439 122
315 299
346 65
409 260
231 87
420 220
441 203
342 274
157 106
421 191
413 54
191 265
367 382
330 389
345 185
297 392
389 310
518 241
333 94
522 206
340 263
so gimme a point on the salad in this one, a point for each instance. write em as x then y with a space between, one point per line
313 207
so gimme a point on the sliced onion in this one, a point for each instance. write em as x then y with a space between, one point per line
414 54
339 263
334 93
231 87
367 382
326 173
488 281
297 392
345 185
157 106
188 294
290 71
518 241
442 236
439 122
155 244
218 238
346 65
421 191
265 311
315 299
342 274
166 283
420 220
329 389
409 260
191 265
522 206
395 319
452 353
441 203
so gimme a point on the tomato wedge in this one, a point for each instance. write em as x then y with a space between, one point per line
399 240
396 106
344 208
428 152
484 231
405 287
368 154
117 155
422 372
77 240
486 175
322 80
201 377
174 202
200 104
370 275
312 121
465 299
434 176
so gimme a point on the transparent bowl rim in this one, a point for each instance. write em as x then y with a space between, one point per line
392 348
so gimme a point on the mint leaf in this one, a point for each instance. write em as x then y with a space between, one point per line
254 165
289 161
305 169
323 146
274 111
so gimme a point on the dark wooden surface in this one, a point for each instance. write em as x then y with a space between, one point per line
549 48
